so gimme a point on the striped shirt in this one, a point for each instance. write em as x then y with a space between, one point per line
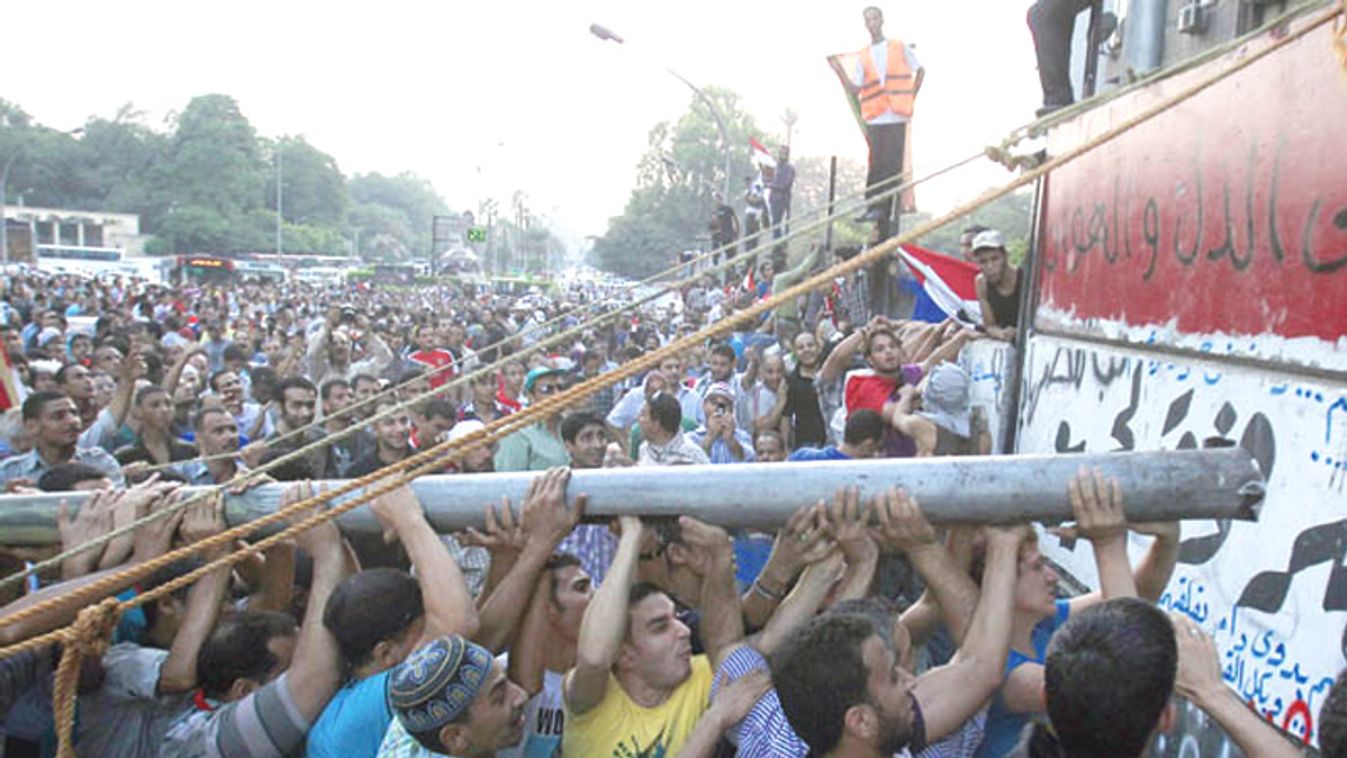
265 723
766 732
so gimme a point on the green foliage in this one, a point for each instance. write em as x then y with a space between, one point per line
671 205
206 184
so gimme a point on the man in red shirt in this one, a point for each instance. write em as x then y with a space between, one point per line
439 362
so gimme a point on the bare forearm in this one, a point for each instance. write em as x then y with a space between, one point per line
526 655
449 606
1253 735
723 622
704 738
1156 567
316 669
502 610
68 605
856 580
798 607
601 629
278 580
178 673
950 586
1115 573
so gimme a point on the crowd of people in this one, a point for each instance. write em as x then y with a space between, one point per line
855 629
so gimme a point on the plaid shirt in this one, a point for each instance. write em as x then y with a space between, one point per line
766 733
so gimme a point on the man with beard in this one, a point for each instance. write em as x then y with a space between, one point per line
451 698
392 438
329 353
338 456
803 412
217 434
844 680
52 422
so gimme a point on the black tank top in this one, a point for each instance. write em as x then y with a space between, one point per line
1006 308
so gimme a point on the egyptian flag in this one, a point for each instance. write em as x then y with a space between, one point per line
948 286
11 389
844 63
761 155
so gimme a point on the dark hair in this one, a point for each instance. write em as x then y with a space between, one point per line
556 562
294 470
60 375
145 393
215 375
325 391
199 420
882 612
180 567
879 331
974 229
262 375
358 378
724 350
237 649
864 425
639 591
32 407
574 423
370 607
293 382
438 407
64 476
233 352
819 673
1333 720
1108 676
666 412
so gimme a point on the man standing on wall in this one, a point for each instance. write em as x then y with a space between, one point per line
883 83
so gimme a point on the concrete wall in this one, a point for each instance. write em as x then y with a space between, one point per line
1192 280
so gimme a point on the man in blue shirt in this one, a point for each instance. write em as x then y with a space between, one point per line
863 438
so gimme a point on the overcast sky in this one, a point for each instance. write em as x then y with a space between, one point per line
486 97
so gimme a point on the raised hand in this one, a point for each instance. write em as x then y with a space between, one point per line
902 525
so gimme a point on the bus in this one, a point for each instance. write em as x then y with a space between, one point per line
100 261
218 271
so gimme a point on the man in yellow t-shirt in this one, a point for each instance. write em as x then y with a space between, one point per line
636 689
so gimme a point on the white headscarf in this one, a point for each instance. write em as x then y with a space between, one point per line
945 399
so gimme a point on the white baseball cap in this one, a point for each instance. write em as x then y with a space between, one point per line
989 238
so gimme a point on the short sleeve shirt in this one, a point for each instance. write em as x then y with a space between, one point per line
263 724
354 721
617 726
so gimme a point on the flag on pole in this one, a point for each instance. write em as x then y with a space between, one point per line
843 64
761 155
948 286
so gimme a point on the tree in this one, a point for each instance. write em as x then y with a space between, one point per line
214 159
313 189
411 205
670 207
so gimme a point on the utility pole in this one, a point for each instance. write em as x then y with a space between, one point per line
280 215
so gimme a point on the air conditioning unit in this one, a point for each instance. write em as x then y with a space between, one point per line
1192 18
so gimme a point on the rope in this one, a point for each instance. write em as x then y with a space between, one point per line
90 628
332 437
87 637
560 401
1340 34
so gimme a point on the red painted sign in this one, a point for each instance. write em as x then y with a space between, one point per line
1226 214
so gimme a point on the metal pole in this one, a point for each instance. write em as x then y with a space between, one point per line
280 215
720 124
1157 486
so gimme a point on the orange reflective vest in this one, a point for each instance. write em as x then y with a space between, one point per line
898 91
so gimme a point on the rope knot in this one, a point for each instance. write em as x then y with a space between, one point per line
93 628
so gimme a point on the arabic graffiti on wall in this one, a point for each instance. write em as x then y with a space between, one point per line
1272 593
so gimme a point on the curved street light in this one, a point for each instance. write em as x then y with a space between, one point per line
606 34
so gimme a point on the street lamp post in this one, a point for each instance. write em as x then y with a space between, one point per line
604 33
